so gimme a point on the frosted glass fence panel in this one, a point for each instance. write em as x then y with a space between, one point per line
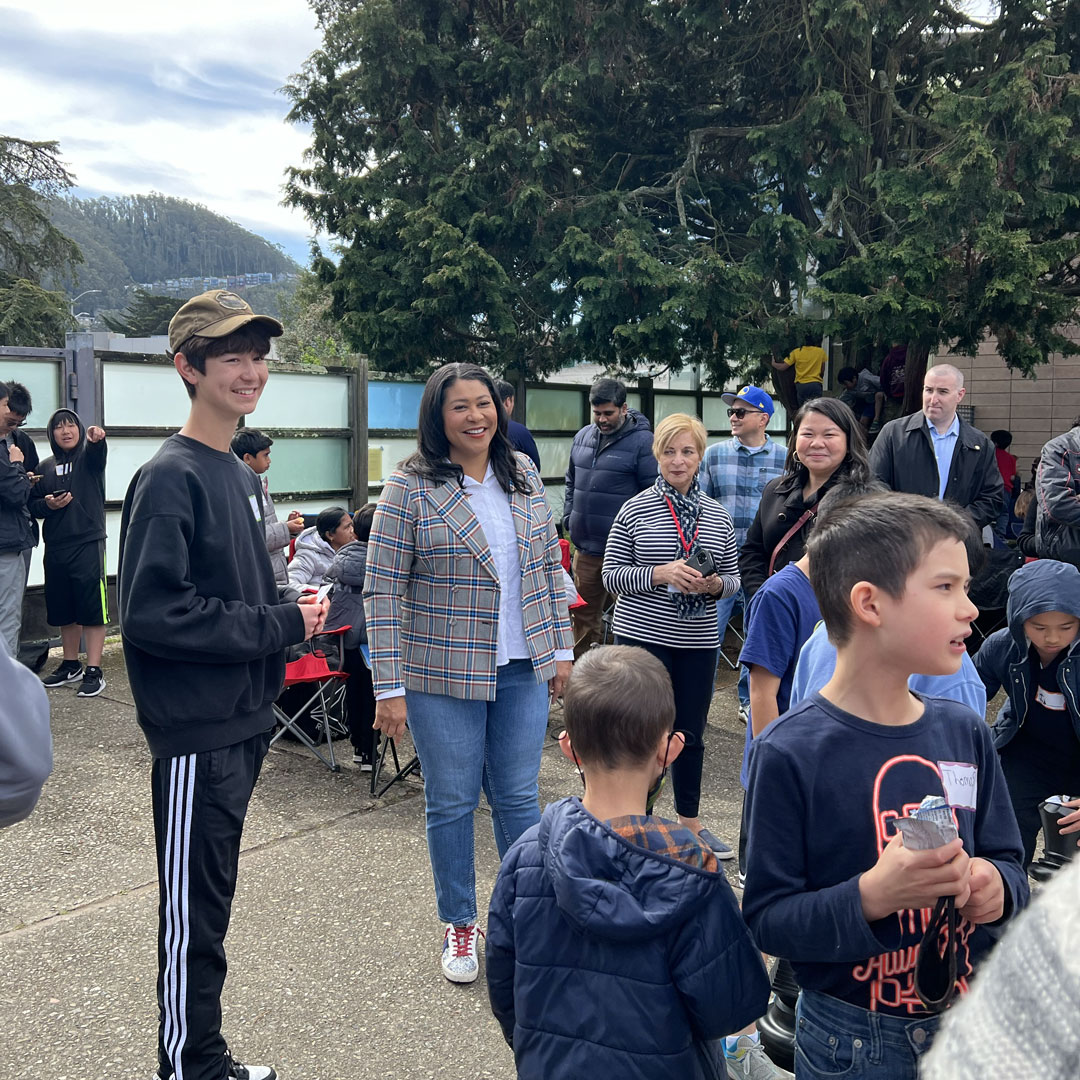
779 420
668 404
112 547
555 495
384 455
303 401
316 464
125 456
633 399
394 405
715 416
42 379
554 455
554 410
143 395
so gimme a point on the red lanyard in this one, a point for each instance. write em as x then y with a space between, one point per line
682 539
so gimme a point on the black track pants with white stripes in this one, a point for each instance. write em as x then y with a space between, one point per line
200 801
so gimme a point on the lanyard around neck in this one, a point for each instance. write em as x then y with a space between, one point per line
682 538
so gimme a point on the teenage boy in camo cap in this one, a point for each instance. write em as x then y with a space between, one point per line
204 638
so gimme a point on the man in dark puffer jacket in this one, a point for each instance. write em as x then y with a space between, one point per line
615 946
611 460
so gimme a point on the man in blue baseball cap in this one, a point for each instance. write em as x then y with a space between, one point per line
734 472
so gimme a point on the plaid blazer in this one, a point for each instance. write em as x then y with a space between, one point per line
432 591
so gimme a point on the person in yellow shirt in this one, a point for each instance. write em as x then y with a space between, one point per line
809 364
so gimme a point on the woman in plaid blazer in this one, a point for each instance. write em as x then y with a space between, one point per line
468 631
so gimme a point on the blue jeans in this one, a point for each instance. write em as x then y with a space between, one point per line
833 1038
466 746
724 610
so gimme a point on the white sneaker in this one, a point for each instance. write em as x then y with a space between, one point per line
750 1062
459 960
744 714
236 1071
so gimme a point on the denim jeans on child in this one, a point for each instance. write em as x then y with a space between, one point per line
833 1038
466 746
724 610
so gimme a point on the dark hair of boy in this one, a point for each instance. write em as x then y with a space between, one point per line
431 459
1001 438
250 441
618 704
18 399
328 520
607 390
197 349
504 390
362 520
880 539
846 375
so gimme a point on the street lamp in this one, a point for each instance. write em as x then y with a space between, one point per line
79 297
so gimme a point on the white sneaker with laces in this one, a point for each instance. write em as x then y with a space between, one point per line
459 960
750 1062
236 1071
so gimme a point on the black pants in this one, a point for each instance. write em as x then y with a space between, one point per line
200 802
1031 780
360 704
691 672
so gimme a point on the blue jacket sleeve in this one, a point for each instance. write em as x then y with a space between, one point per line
499 956
717 970
992 661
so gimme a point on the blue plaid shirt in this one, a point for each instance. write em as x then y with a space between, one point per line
736 475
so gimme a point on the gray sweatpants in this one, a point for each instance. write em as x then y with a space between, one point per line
12 585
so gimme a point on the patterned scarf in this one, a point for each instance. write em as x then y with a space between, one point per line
687 509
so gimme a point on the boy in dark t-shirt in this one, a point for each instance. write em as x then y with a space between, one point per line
830 884
1037 731
204 637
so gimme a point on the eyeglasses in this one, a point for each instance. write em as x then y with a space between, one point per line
740 413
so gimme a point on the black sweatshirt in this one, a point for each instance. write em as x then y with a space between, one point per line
204 633
82 472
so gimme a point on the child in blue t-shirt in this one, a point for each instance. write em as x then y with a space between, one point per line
830 884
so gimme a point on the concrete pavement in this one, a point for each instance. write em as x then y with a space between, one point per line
334 941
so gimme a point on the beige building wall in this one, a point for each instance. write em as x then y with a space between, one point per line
1033 409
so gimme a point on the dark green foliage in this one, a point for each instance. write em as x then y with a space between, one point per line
139 239
145 316
30 245
527 183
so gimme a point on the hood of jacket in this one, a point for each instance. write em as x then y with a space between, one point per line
608 887
310 538
60 455
1038 587
349 565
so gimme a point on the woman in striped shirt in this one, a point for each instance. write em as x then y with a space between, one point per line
665 605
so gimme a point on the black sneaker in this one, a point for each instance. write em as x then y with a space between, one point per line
93 682
67 671
236 1071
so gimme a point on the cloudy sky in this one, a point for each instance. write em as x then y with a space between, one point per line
178 98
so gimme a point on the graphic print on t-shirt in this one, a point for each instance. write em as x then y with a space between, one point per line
900 785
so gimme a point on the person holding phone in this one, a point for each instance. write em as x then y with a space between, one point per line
670 556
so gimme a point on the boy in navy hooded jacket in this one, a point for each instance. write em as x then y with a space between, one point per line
1037 731
70 498
615 946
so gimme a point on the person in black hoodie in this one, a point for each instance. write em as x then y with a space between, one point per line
204 638
70 499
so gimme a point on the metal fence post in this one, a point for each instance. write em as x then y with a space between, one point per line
82 379
358 423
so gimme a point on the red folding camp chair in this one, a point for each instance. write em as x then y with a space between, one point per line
326 703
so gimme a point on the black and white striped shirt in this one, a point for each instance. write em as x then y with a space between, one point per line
643 536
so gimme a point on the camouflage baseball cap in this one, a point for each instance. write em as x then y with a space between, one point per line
216 314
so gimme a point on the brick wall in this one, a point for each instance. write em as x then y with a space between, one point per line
1032 409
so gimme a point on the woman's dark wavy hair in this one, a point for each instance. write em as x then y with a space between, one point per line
431 460
856 464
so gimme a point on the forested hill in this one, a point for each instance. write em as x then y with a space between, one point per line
131 239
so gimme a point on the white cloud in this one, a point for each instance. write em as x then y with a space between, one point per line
182 99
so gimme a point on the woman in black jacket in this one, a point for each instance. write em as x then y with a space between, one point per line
826 446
